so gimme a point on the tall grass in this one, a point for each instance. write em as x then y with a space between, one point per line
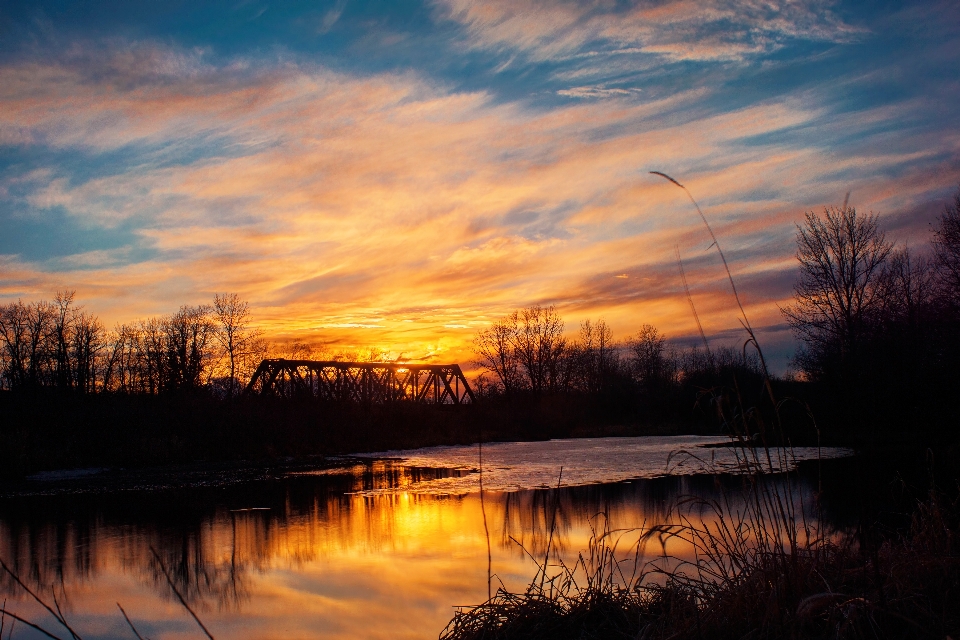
753 565
756 566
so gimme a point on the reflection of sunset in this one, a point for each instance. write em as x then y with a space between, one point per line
319 562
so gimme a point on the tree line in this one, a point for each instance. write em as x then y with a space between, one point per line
60 345
216 347
877 324
528 353
878 328
855 286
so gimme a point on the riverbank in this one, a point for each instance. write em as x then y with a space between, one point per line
173 477
50 431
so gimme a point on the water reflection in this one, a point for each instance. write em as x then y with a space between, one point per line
319 555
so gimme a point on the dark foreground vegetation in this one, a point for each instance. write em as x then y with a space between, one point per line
745 583
878 328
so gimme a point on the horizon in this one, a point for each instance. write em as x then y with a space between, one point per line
397 176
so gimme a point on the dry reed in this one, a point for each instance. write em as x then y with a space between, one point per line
760 568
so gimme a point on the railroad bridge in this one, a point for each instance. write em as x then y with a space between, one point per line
361 382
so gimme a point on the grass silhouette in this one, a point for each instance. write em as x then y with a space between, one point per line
760 568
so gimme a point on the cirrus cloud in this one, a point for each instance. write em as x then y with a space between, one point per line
392 209
675 29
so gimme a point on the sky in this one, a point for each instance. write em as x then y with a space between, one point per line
398 175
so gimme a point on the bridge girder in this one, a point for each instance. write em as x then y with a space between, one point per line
361 382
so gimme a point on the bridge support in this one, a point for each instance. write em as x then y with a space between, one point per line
361 382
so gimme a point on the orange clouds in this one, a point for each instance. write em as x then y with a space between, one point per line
386 210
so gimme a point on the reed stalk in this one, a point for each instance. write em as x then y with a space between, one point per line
760 568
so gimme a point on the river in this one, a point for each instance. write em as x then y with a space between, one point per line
379 546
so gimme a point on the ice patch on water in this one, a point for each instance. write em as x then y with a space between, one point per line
514 466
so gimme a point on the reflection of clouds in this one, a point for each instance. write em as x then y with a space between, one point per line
302 553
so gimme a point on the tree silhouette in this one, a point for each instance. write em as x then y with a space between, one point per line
540 346
495 352
595 354
525 350
233 332
842 257
649 357
946 251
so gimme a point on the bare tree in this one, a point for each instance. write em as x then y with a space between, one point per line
13 333
62 338
299 350
495 349
594 354
540 345
187 336
257 349
648 352
909 285
233 331
842 257
152 355
946 250
60 345
116 367
88 341
75 342
40 319
525 350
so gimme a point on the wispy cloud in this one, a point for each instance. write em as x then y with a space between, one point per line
597 91
332 15
677 30
391 209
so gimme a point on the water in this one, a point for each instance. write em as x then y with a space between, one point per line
383 546
515 466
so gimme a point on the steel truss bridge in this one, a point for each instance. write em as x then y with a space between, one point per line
361 382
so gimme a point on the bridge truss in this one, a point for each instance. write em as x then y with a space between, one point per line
361 382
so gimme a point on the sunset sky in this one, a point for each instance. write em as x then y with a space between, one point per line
399 174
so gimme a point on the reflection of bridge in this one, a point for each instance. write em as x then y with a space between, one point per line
363 382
